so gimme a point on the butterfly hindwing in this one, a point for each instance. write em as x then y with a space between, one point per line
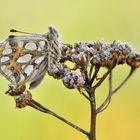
41 71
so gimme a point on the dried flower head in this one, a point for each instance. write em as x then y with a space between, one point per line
102 59
23 100
120 50
73 80
100 53
133 60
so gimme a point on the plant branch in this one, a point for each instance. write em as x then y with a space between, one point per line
86 75
97 68
125 80
85 95
106 103
90 71
104 76
41 108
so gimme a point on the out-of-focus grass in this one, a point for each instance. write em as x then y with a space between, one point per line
77 21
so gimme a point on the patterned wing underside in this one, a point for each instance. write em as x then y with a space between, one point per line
41 71
23 59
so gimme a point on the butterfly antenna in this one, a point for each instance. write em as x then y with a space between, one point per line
17 31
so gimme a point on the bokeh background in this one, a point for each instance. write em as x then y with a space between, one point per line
76 20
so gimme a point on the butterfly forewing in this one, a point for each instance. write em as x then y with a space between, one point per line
22 59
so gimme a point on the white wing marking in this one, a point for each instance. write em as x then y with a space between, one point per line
7 51
4 59
13 78
41 45
39 60
22 78
28 70
25 58
3 67
30 46
8 72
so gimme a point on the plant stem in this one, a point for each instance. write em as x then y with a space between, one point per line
124 81
92 133
41 108
104 76
106 103
97 68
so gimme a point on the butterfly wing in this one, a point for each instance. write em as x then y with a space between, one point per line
20 57
41 71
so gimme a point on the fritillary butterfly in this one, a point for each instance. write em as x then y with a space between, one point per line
27 58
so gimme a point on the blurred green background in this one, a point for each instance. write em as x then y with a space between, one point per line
76 21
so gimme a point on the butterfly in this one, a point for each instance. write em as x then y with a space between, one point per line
27 58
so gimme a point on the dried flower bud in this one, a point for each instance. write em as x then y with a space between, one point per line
107 53
102 59
87 48
15 91
121 47
101 45
120 50
134 60
56 70
73 80
64 48
100 53
23 100
81 60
